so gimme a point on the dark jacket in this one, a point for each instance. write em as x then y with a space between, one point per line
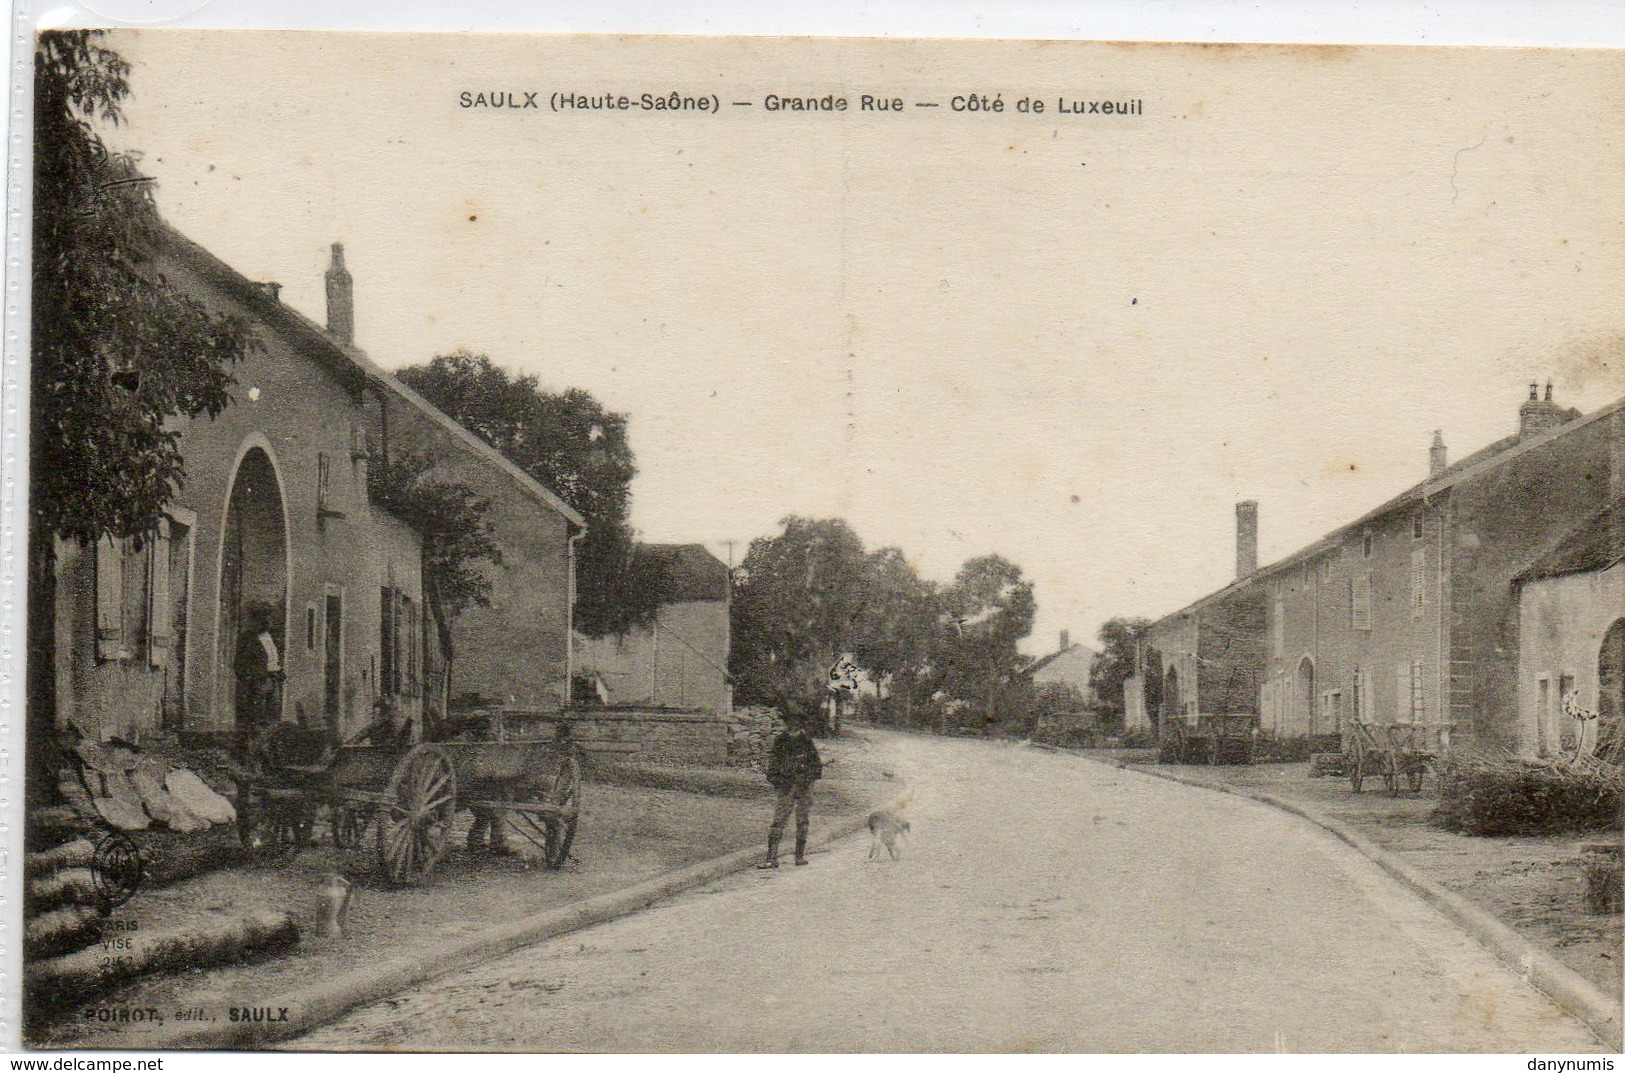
794 761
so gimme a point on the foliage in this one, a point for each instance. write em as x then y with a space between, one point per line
118 351
796 598
941 657
898 627
457 535
1502 795
569 443
1057 715
989 607
1119 639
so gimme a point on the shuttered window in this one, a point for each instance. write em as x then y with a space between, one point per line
1360 602
110 643
160 608
387 684
1419 578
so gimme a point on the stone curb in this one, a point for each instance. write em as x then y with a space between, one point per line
319 1004
1573 992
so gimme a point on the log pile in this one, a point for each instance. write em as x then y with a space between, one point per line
103 790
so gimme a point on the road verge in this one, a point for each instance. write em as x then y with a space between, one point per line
1573 992
295 1013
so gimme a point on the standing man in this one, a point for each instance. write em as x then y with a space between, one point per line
257 667
792 767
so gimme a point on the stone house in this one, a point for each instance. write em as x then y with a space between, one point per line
1410 612
1571 632
680 660
1069 665
275 520
1211 656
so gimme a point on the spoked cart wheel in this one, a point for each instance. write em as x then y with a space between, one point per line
414 825
565 794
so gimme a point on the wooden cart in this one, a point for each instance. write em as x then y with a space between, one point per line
403 800
1398 752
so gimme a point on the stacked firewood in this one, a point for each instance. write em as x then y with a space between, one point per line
131 790
102 790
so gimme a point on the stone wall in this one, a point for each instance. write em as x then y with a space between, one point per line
644 735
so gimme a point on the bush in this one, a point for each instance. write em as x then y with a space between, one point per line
1138 738
1290 750
1481 795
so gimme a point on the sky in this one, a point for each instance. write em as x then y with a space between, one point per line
1076 341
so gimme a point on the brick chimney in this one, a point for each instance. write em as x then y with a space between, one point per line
1438 457
1066 640
1246 537
340 299
1537 415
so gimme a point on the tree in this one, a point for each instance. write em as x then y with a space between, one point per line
898 627
457 539
796 598
569 443
990 608
1125 650
118 351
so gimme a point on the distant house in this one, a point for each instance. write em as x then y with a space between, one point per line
1069 665
1409 613
680 660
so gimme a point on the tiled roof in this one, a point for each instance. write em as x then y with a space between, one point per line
692 572
1592 546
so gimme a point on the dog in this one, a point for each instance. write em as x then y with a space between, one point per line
888 829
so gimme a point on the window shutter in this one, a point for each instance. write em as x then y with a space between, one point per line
1360 602
1419 566
109 598
386 641
160 628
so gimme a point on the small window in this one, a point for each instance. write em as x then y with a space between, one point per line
1326 570
1365 545
1417 528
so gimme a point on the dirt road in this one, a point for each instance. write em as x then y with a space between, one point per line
1043 902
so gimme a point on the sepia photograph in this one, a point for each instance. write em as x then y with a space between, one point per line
732 545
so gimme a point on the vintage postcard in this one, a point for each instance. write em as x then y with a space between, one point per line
601 544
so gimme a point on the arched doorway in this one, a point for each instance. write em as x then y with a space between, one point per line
1611 690
253 597
1305 698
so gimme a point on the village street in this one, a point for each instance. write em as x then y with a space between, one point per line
1043 902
